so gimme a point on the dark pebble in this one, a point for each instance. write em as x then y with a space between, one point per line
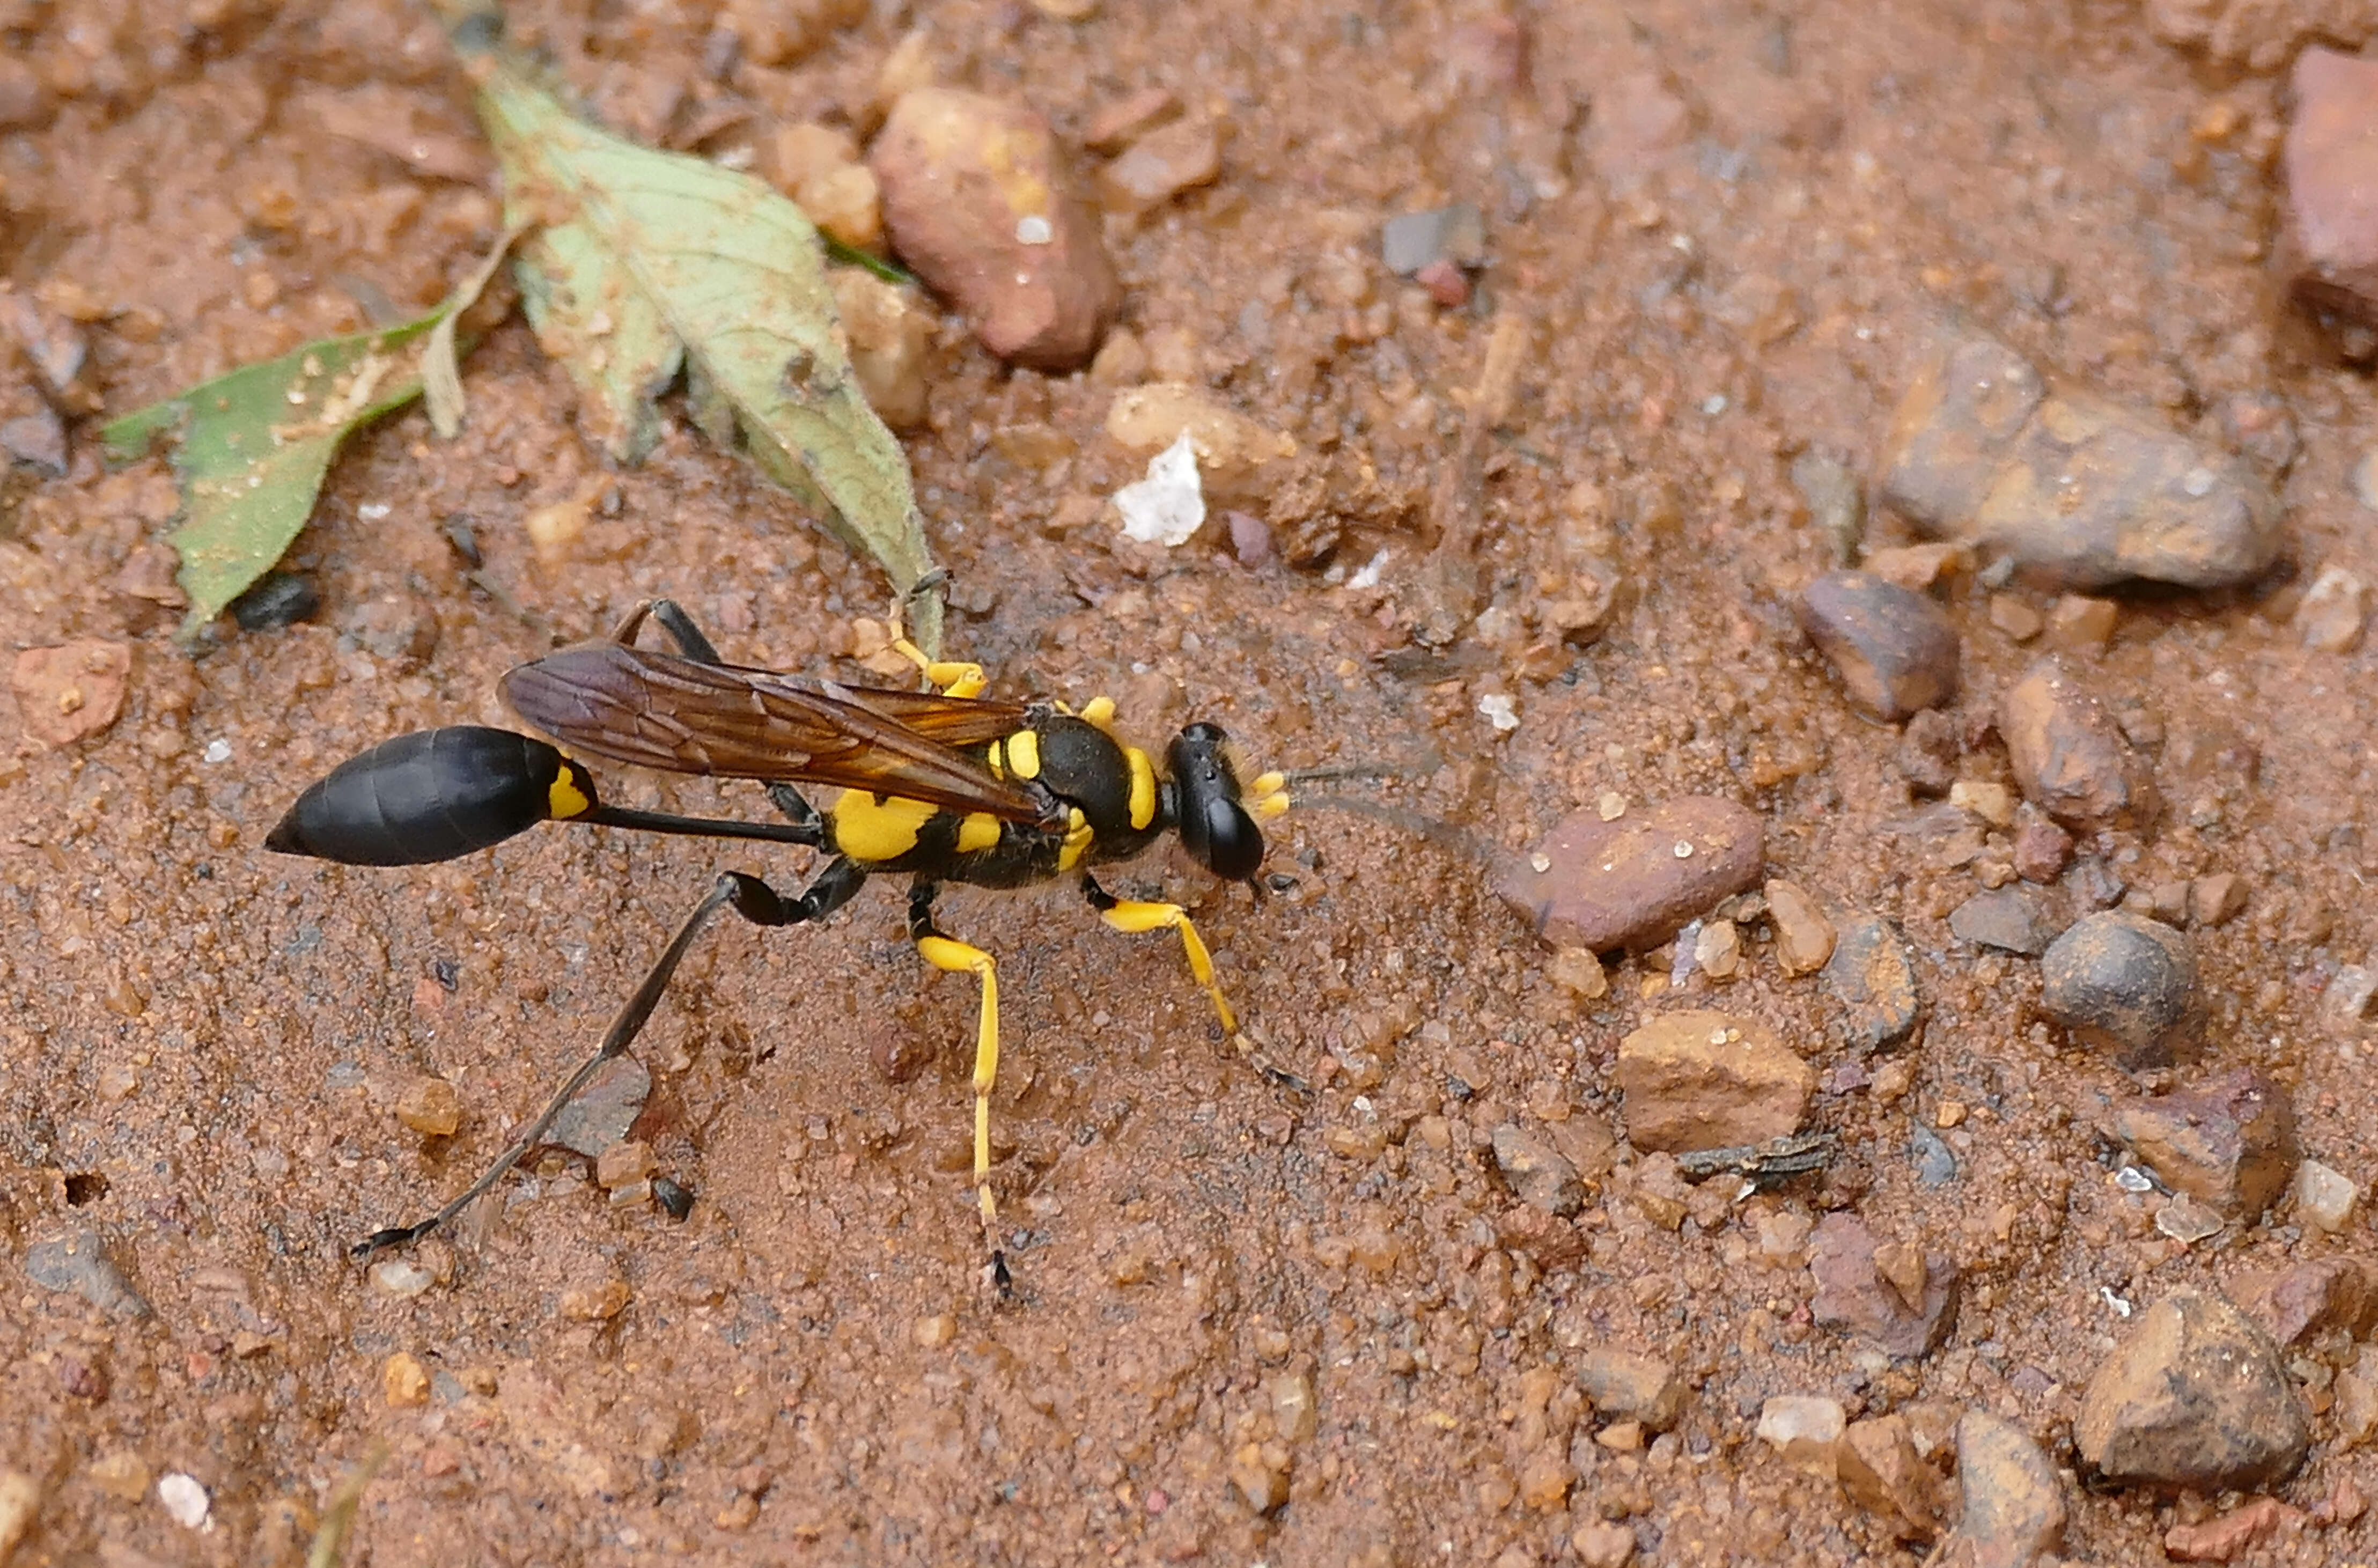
2124 984
37 440
1455 233
2011 919
1936 1162
1894 650
400 629
1927 752
676 1199
604 1109
2195 1397
275 600
1540 1174
76 1263
1872 975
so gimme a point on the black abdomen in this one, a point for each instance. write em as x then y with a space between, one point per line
430 795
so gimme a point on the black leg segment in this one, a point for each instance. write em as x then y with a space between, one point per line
746 896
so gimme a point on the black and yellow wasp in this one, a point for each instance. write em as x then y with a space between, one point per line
940 786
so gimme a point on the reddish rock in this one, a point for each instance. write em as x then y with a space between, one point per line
2330 160
2310 1299
2231 1144
72 690
1903 1302
1634 881
1628 1388
2228 1537
2069 756
975 201
2194 1398
2041 848
1702 1079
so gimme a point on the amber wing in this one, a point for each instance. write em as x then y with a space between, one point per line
660 711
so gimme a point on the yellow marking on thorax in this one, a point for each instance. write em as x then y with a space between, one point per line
867 827
1023 754
1077 841
564 798
1143 786
981 830
1100 711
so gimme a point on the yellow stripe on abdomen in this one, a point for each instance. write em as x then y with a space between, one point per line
868 827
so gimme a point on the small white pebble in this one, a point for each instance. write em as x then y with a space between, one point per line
1714 404
372 511
2130 1178
1684 849
1541 861
401 1279
184 1498
1611 807
1496 707
1168 506
1033 229
1368 577
2197 481
217 751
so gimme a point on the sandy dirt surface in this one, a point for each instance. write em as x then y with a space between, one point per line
1249 1326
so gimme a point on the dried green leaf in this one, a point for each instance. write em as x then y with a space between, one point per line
254 446
645 257
442 372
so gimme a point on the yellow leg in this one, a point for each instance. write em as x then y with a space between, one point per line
954 679
1133 915
959 958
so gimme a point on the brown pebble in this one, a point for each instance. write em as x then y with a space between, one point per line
73 690
1635 1387
623 1164
1872 975
2082 624
1918 567
1894 649
2330 619
1159 165
596 1303
1878 1468
1634 881
890 333
976 202
2014 1509
2195 1396
1539 1174
2330 159
1120 122
2231 1143
1804 938
2217 899
2080 490
2069 756
431 1107
404 1380
2016 618
1705 1080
